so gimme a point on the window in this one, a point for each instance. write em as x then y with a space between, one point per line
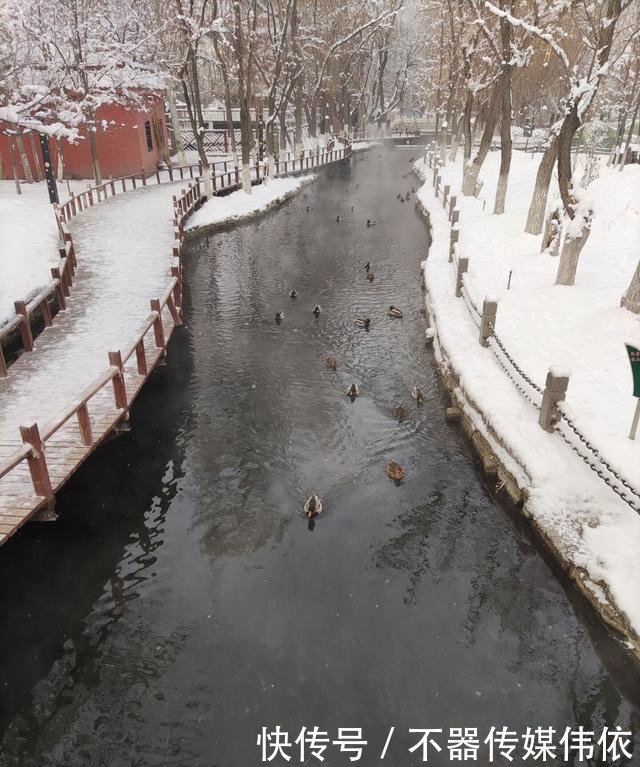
147 131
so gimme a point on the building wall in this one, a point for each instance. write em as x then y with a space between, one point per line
121 140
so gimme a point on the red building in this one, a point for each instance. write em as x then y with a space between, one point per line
129 139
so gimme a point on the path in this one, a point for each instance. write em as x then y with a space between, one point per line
124 248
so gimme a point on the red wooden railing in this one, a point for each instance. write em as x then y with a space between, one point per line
151 333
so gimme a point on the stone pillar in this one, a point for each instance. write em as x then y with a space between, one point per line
453 240
463 265
555 391
488 321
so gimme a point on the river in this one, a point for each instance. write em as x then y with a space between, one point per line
181 603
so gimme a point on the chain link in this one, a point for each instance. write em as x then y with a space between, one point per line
494 340
515 382
596 453
474 306
471 307
518 369
592 465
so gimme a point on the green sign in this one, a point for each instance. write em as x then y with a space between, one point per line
634 359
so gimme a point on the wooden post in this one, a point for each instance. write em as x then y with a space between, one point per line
488 321
24 327
453 240
173 309
143 177
170 173
3 364
555 391
37 462
62 304
141 358
177 290
455 216
445 195
438 182
119 390
112 184
46 312
158 329
463 265
84 424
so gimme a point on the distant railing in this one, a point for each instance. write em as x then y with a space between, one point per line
225 176
152 332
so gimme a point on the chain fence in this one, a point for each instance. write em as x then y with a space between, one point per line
533 392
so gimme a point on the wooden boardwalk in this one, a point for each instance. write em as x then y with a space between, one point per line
37 459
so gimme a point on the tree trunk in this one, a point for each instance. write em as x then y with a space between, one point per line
570 125
571 250
198 132
625 149
246 140
631 299
466 121
505 121
552 232
35 153
24 160
453 153
537 208
60 156
175 125
472 169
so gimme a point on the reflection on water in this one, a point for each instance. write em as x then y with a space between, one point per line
181 602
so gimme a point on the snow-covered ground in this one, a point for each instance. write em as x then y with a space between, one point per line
239 204
28 240
581 328
124 248
28 243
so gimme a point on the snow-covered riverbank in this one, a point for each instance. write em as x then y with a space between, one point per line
238 205
581 328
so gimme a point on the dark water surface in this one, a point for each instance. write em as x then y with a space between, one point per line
180 603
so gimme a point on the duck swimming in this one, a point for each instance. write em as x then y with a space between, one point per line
399 412
279 316
353 391
316 310
367 266
363 323
337 218
395 312
331 363
417 394
371 222
293 293
370 276
395 471
313 506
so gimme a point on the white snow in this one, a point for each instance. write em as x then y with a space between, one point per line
543 325
28 244
124 249
240 204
